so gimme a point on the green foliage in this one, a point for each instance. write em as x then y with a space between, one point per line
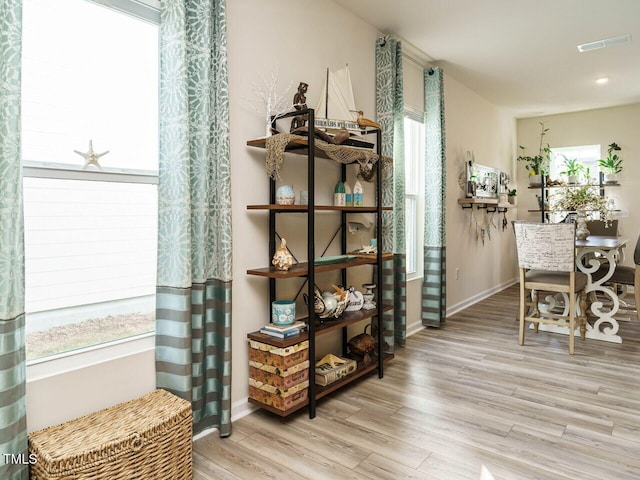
573 167
537 164
512 193
613 163
585 197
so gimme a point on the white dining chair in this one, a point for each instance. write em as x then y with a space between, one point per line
546 261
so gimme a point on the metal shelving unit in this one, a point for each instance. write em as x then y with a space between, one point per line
308 149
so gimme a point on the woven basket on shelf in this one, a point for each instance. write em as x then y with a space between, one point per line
147 438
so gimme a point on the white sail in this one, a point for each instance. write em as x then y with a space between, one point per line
339 93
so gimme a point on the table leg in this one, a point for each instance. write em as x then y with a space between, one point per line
605 327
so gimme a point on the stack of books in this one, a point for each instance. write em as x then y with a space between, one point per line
284 331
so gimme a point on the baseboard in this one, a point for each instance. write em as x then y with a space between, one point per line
242 408
453 309
239 409
416 327
413 328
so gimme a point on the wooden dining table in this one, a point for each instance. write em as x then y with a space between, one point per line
591 254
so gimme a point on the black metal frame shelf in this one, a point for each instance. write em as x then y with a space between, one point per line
544 194
316 326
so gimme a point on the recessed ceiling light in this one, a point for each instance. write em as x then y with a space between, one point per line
602 81
607 42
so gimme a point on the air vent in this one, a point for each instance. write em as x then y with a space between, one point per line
607 42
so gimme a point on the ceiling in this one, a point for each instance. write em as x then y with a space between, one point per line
521 54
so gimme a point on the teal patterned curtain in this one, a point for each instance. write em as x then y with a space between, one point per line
434 285
390 115
13 423
193 309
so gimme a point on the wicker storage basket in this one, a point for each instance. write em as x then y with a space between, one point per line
147 438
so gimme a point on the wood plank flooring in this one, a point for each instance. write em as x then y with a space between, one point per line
461 402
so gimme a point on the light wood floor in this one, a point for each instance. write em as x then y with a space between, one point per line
461 402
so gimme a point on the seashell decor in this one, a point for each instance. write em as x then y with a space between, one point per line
282 259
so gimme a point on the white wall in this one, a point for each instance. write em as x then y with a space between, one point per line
73 392
591 127
472 123
264 39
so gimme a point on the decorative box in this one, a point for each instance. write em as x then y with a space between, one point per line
281 379
326 375
280 357
148 438
276 398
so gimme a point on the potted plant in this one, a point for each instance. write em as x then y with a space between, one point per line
612 165
537 165
583 200
573 169
512 196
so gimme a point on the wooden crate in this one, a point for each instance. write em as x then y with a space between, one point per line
284 379
147 438
280 357
292 397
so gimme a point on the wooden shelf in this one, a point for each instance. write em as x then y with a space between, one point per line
321 391
546 210
594 185
305 208
348 318
328 325
484 203
302 269
301 146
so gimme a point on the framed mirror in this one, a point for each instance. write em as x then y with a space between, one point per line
487 181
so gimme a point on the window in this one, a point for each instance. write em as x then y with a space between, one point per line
587 155
90 74
414 192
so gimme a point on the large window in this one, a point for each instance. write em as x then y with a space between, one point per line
90 80
414 197
585 155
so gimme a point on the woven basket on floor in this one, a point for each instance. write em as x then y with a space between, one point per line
147 438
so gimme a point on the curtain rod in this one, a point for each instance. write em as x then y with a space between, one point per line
382 42
417 62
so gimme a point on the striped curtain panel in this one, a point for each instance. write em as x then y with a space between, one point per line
13 420
193 309
434 285
390 115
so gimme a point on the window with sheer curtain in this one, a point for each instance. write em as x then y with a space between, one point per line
89 81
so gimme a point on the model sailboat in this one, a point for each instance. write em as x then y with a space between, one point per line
336 110
337 103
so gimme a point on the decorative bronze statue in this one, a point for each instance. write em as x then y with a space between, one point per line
299 103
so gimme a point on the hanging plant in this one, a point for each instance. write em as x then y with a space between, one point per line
583 198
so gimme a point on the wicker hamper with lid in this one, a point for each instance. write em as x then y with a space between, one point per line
147 438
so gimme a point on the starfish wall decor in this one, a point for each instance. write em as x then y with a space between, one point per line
91 157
